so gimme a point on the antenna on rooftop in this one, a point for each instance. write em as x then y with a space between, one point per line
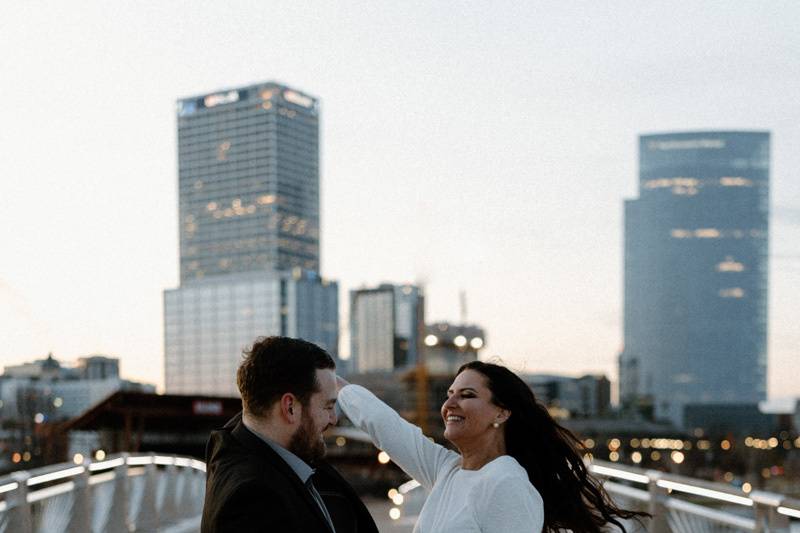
462 300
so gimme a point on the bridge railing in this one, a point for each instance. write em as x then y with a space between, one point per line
678 504
681 504
122 493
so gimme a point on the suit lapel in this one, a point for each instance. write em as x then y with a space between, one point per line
261 448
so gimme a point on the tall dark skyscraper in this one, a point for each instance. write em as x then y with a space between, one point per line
248 177
248 174
696 243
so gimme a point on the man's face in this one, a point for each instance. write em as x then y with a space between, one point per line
307 442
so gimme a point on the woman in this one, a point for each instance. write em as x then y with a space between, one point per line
517 470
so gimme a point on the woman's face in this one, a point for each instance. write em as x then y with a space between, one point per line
468 412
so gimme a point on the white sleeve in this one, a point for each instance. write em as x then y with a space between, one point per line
418 456
510 505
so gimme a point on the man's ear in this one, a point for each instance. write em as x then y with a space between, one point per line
290 408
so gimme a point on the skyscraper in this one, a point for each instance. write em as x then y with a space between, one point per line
696 243
385 323
248 177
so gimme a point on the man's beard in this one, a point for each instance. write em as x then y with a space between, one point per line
306 443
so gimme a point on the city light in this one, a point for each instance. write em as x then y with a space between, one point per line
100 455
677 457
383 458
476 343
460 341
636 457
392 493
341 441
398 499
431 340
394 513
77 458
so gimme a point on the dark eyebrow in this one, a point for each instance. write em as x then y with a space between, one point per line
449 391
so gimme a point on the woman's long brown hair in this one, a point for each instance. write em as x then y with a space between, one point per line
551 454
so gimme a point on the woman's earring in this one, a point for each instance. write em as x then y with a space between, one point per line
496 424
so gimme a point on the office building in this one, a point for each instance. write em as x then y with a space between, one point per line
587 396
696 243
58 391
248 178
385 323
209 323
448 346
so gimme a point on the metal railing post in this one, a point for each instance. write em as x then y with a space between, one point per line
147 517
80 520
169 511
765 508
19 512
657 505
117 518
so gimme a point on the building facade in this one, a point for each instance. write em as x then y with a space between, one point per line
448 346
209 323
248 178
587 396
385 323
696 262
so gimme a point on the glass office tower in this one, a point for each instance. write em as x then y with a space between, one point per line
248 178
208 323
696 243
385 323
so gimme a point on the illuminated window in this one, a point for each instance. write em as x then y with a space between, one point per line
728 181
733 292
681 234
729 265
706 233
222 150
658 183
266 199
211 206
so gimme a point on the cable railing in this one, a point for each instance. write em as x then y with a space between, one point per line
122 493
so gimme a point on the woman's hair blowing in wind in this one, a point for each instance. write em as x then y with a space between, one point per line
552 456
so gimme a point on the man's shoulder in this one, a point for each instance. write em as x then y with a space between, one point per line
226 454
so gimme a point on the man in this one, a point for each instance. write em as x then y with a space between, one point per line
265 471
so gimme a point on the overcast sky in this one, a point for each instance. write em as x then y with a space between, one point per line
476 146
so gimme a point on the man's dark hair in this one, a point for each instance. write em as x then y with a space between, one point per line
277 365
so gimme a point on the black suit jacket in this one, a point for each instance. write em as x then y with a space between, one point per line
249 488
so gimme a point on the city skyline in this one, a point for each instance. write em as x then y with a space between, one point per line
466 149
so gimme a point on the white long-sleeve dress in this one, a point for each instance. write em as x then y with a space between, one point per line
498 498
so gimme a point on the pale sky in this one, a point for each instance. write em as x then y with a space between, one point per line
477 146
